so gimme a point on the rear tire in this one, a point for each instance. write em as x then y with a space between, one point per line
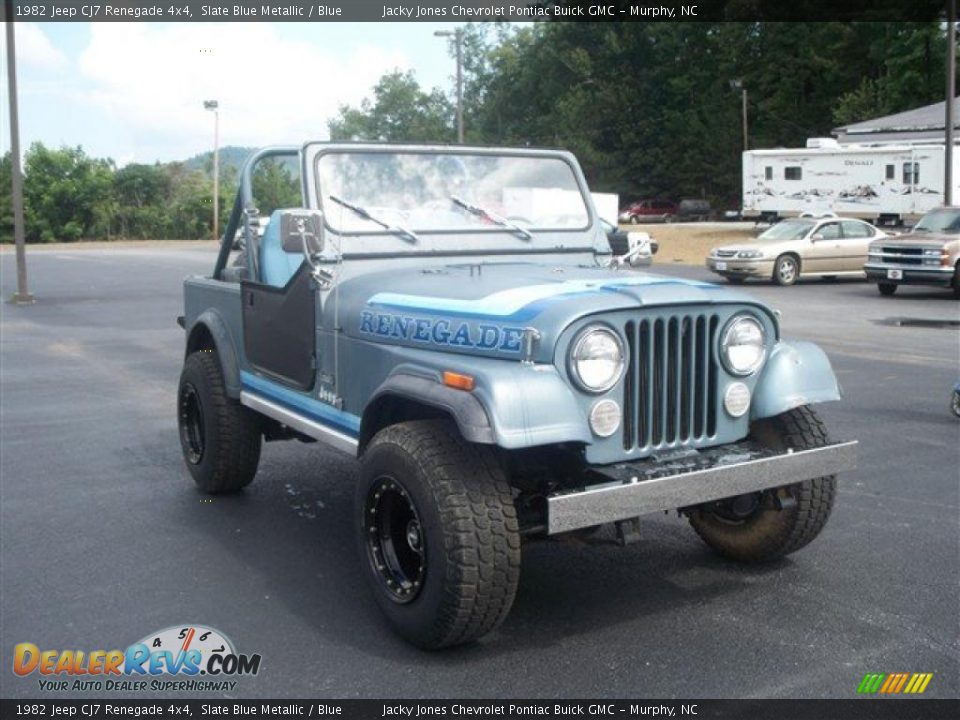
887 289
438 534
767 534
220 438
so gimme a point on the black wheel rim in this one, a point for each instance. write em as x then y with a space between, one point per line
191 424
395 542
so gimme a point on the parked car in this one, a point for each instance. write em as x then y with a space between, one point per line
639 247
497 383
927 255
650 210
694 210
796 248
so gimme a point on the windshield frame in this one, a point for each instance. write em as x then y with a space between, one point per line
340 148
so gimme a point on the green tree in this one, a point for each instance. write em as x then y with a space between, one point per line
142 194
400 111
6 199
67 194
275 186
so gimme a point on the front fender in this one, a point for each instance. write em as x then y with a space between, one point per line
796 373
514 405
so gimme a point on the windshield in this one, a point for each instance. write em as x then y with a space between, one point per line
420 191
939 221
788 230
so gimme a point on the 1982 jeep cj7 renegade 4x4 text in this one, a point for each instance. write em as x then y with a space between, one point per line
452 317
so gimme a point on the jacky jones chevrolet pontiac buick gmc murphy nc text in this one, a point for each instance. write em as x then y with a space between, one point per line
453 317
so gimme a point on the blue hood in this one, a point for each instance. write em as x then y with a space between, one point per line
483 308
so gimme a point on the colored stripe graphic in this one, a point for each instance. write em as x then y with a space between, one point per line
894 683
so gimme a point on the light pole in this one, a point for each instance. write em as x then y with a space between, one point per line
738 85
457 36
22 295
213 106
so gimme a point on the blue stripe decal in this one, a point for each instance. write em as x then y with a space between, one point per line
291 400
520 304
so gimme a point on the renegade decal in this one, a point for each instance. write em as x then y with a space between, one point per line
441 332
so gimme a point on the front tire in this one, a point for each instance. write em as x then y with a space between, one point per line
220 438
763 534
786 270
887 289
438 534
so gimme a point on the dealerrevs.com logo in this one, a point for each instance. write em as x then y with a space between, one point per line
196 656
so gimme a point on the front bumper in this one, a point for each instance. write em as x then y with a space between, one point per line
628 490
910 274
736 267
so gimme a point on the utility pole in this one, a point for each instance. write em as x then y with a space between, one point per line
213 105
457 36
738 85
951 92
746 135
22 295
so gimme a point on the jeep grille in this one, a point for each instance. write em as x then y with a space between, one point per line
670 387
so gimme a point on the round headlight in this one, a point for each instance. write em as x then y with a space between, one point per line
596 360
742 347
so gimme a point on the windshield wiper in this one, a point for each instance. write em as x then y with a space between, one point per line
495 219
398 229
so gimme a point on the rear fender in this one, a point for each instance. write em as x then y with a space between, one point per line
209 328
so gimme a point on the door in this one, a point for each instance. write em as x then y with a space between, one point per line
824 250
856 238
279 328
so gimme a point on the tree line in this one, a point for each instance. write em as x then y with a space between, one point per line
650 109
70 196
654 109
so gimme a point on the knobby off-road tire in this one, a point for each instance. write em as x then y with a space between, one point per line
438 533
220 438
769 534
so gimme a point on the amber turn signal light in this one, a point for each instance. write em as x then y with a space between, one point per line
458 381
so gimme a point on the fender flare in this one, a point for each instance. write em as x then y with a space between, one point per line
211 323
464 407
796 373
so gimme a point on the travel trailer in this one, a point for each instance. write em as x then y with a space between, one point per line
885 184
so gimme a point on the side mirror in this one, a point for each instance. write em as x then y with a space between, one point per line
302 231
817 236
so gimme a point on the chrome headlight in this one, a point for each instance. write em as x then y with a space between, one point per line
743 345
596 359
749 254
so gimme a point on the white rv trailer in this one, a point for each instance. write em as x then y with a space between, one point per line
887 184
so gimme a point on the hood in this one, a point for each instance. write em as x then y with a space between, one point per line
767 247
917 239
483 309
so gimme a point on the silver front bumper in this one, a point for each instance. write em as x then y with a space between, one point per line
630 494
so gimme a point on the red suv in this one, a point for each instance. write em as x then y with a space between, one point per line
649 211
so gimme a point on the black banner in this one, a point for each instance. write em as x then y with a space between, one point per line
854 709
473 10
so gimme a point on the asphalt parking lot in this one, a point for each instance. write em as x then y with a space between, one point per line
105 539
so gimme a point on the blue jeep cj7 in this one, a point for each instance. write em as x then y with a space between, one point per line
453 317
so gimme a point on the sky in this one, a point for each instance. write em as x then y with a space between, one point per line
134 92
